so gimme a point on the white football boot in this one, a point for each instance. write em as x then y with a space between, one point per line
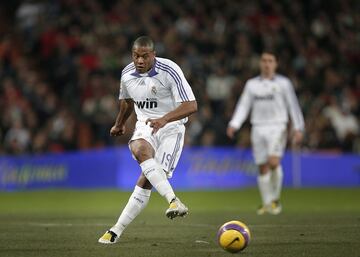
176 209
109 238
275 208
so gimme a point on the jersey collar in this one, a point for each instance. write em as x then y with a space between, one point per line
271 79
150 74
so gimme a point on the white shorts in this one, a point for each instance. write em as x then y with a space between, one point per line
268 140
167 142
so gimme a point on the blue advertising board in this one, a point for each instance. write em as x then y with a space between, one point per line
198 168
95 169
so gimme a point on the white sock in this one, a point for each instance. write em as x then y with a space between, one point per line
277 180
265 188
157 178
137 202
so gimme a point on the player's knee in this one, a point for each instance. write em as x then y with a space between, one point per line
263 169
141 150
141 154
273 162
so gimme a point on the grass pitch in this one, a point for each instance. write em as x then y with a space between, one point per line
315 222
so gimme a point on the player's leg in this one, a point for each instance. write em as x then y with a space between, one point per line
144 153
265 188
259 149
276 181
137 202
168 153
276 176
276 140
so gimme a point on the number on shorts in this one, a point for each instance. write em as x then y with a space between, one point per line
166 158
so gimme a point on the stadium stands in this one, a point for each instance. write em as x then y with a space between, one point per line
60 63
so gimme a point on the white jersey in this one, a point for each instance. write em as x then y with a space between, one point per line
270 101
157 92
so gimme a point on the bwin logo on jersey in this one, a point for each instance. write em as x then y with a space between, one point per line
150 103
268 97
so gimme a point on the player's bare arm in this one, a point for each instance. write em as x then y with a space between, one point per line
185 109
126 108
230 132
297 137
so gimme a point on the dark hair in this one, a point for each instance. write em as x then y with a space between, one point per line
269 51
144 41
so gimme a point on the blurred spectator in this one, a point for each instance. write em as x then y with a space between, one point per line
218 88
17 138
28 15
345 124
60 65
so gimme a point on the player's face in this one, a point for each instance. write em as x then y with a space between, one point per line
268 64
143 58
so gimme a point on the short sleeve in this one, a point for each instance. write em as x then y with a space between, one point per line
180 87
123 92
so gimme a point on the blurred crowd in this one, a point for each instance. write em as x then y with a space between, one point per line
60 65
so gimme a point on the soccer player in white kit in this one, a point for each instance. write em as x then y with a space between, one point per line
270 98
163 100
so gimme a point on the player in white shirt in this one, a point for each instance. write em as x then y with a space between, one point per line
271 99
163 100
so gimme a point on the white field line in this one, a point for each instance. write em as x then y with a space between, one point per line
201 242
39 224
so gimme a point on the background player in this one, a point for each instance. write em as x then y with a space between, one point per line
163 99
271 99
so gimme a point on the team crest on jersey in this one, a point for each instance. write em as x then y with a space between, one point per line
153 90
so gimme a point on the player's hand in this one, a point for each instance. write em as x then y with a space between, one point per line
230 132
117 130
297 138
156 124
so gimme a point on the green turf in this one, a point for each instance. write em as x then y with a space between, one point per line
315 222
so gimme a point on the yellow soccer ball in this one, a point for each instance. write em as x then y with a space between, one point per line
233 236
